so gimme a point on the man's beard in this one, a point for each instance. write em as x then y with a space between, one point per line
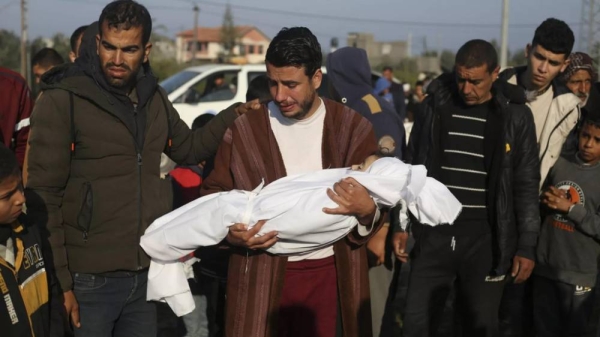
120 83
583 98
305 107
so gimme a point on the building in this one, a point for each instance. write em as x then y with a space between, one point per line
379 52
251 47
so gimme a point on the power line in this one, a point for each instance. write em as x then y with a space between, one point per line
335 17
5 6
369 20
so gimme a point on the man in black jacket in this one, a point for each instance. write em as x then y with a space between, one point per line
477 136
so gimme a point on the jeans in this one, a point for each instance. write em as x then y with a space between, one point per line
114 306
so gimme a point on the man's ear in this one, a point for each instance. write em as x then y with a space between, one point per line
147 50
317 78
565 65
72 56
98 44
495 73
527 50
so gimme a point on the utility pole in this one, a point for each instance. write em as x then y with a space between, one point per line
589 31
504 37
195 44
24 40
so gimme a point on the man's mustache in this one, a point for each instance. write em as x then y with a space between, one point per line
123 66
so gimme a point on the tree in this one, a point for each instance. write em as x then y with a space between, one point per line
10 51
447 60
518 58
228 32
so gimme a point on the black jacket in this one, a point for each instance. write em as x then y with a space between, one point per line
24 309
511 159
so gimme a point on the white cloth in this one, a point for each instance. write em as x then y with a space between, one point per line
300 143
293 207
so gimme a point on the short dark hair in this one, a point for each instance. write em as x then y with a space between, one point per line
202 120
125 14
78 33
295 47
593 119
554 35
47 57
476 53
259 88
419 83
388 68
9 166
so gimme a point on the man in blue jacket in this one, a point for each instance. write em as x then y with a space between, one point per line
350 83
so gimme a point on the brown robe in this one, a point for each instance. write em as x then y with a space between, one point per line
249 153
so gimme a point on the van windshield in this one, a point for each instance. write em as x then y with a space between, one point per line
172 83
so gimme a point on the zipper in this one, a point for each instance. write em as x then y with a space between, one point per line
139 169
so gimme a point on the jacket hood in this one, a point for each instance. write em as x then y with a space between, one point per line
349 71
444 87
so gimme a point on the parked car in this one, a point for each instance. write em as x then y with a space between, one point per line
212 88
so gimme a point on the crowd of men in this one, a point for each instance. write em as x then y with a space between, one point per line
519 148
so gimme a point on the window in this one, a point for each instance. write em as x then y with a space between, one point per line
261 49
220 86
174 82
251 49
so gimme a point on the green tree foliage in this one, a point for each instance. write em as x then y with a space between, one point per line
518 58
228 33
163 63
447 59
10 51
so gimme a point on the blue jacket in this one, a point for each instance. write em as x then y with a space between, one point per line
349 74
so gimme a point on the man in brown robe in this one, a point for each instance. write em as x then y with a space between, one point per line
325 291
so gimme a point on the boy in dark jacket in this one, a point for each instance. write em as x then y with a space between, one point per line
568 249
23 280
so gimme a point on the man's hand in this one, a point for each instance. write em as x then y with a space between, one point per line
248 106
239 235
555 199
376 246
72 308
352 199
399 241
522 269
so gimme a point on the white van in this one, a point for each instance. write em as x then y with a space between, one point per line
193 91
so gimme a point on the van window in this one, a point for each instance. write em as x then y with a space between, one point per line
174 82
220 86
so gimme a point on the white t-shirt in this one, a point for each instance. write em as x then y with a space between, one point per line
300 143
540 108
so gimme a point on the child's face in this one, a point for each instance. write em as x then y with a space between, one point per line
365 164
589 144
11 199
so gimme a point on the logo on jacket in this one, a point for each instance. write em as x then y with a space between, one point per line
33 257
574 194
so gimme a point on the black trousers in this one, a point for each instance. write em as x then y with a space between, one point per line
562 309
443 259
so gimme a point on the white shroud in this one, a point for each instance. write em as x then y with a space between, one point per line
293 206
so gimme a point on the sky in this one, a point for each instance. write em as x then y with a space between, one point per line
443 24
